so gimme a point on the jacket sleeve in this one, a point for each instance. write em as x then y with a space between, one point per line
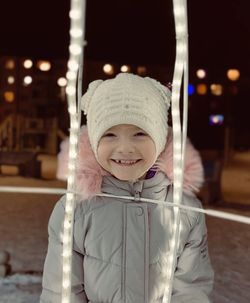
52 274
193 280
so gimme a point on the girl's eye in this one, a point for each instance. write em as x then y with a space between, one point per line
141 134
108 135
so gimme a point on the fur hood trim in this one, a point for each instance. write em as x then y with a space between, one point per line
89 173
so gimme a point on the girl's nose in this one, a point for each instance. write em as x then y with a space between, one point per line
125 147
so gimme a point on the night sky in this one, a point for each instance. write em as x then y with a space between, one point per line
131 31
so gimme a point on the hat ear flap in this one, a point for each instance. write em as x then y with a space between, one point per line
86 98
164 91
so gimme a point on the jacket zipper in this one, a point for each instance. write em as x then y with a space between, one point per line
137 196
146 248
137 190
146 251
123 286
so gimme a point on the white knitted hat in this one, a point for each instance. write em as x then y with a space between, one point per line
127 99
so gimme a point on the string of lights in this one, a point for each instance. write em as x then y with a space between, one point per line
62 191
179 133
77 31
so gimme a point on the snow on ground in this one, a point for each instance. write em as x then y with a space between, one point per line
23 233
20 288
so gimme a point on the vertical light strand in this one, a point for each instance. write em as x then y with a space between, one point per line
77 32
179 132
185 89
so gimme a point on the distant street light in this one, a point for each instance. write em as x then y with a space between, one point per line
44 65
27 80
108 69
11 80
201 89
216 119
201 73
27 63
233 74
125 68
10 64
62 82
9 96
216 89
191 89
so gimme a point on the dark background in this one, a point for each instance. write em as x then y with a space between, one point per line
142 32
138 31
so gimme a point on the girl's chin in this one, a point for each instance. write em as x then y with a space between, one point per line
129 178
134 173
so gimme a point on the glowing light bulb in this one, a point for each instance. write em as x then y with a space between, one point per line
65 300
44 65
11 80
67 253
71 75
233 74
75 49
27 80
73 65
125 68
70 196
201 73
201 89
177 185
27 63
108 69
76 32
70 90
73 139
75 14
216 89
9 96
62 81
66 284
68 208
66 268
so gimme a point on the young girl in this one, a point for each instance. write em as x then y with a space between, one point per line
121 247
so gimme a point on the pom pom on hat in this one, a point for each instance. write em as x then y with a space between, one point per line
89 94
127 99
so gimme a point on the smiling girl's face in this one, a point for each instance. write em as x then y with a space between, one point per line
126 151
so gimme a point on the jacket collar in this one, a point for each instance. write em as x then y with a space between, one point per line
153 188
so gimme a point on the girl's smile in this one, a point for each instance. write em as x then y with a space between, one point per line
126 162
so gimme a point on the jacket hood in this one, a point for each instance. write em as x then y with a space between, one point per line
89 174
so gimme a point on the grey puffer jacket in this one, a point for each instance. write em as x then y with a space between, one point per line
121 248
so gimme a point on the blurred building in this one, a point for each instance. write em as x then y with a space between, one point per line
218 109
32 104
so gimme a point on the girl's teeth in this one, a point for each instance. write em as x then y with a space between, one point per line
126 161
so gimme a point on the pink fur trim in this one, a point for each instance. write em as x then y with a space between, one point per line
193 170
90 173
